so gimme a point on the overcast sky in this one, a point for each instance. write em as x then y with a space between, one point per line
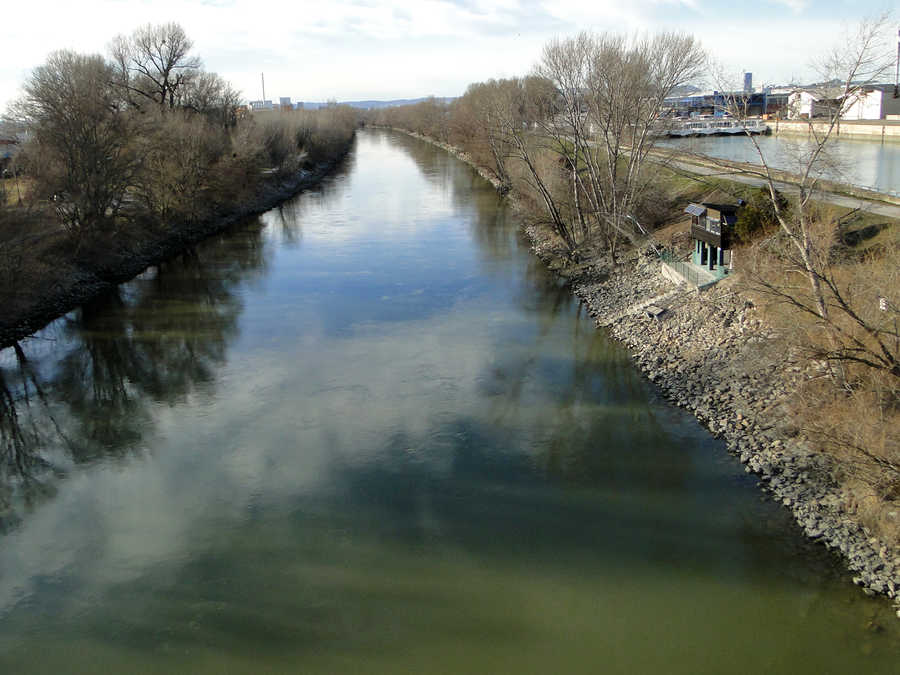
386 49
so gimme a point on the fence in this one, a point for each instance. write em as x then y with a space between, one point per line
689 273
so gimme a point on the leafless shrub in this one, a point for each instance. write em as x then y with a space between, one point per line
180 158
82 137
848 403
290 139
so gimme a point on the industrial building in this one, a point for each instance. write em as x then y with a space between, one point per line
769 101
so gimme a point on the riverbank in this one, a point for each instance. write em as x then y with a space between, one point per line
58 291
713 355
461 155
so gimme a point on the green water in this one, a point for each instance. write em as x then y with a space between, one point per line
367 433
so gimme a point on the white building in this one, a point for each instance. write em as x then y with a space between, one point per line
804 104
261 105
873 103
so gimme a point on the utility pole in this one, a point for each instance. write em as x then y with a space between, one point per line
897 69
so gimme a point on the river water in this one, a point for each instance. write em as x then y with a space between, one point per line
863 163
368 433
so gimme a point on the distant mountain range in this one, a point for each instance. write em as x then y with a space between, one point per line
371 105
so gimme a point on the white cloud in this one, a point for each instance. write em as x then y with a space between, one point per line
349 49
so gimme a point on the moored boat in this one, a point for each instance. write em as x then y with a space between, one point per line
713 126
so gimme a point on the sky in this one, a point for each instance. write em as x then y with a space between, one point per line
389 49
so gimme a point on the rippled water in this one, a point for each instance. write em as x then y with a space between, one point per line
864 163
368 433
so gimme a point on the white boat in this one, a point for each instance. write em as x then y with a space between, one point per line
713 126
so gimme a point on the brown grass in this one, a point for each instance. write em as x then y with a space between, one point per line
14 190
845 408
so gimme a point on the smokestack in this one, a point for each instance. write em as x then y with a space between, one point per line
262 77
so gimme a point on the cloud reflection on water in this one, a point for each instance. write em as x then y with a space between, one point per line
273 461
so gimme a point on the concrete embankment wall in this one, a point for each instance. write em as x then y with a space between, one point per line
888 130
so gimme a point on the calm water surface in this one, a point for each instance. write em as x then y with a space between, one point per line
864 163
368 433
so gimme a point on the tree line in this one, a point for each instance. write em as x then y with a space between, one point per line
572 137
145 134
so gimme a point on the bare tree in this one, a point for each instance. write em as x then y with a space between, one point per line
81 136
859 61
484 125
431 116
567 64
180 161
514 108
612 90
154 63
212 96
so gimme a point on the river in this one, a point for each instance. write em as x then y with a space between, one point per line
863 163
367 432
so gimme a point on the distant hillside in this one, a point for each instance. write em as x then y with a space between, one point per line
371 105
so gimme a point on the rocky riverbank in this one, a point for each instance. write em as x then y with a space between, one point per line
88 279
711 354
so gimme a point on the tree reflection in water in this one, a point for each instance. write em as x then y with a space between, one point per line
593 375
152 341
285 219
